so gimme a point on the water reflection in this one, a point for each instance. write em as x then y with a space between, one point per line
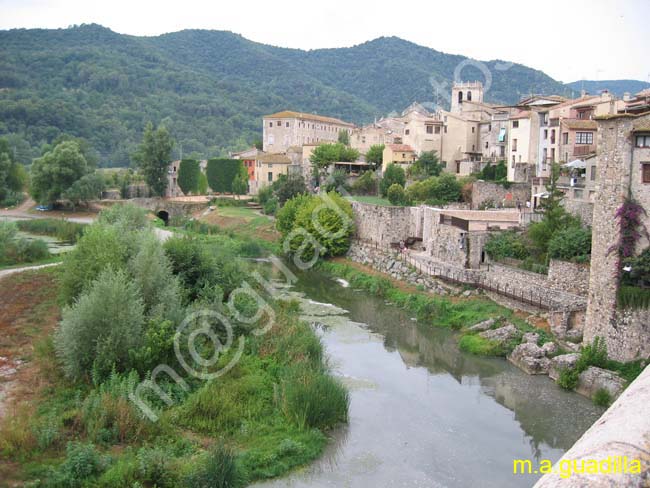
422 413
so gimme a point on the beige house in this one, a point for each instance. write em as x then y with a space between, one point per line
268 168
285 129
519 146
400 154
460 141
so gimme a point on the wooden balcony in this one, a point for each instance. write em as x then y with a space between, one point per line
584 149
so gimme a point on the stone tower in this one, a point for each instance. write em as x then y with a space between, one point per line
465 91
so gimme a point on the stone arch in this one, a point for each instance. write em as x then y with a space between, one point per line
163 215
460 96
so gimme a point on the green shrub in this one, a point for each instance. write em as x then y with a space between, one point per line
264 194
188 176
63 230
271 206
633 298
397 195
126 216
366 184
393 175
568 378
287 187
508 244
82 464
14 249
222 172
101 327
203 184
217 469
155 467
573 243
475 344
314 399
286 216
602 398
121 474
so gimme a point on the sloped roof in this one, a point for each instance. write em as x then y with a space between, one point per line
401 147
288 114
580 124
274 158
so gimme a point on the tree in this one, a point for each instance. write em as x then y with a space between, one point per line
375 156
240 183
337 179
153 157
56 171
344 137
203 183
221 174
393 174
188 176
99 331
396 194
427 165
88 187
326 154
288 186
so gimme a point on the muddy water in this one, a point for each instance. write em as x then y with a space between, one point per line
422 413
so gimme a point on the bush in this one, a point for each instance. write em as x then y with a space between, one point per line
393 175
98 332
397 195
63 230
14 249
508 244
218 469
475 344
438 190
271 206
366 184
126 216
288 187
286 216
222 172
633 298
188 176
82 463
568 378
639 274
572 244
314 399
602 398
264 194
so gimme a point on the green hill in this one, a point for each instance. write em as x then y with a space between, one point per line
617 87
210 87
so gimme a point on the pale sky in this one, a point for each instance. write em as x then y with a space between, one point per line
567 39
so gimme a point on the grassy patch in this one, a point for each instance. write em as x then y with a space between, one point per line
371 199
475 344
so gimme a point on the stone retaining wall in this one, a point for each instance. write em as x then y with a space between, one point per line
486 191
569 277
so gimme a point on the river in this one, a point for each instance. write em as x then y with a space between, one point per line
422 413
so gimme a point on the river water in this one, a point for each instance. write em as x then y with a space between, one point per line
422 413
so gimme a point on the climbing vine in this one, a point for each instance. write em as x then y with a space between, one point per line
631 228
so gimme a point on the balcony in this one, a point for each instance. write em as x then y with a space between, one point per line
571 182
584 150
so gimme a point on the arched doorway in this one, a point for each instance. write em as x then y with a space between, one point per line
164 216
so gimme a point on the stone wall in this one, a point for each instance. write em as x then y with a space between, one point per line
383 225
619 171
581 209
569 277
486 191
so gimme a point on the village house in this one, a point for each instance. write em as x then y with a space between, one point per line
268 168
400 154
287 128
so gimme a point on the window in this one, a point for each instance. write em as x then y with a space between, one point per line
271 139
429 129
553 136
514 145
645 174
515 124
407 132
286 124
592 174
486 144
460 97
545 133
565 138
489 127
553 154
445 129
513 160
437 130
584 137
577 193
473 129
643 140
469 96
544 155
270 124
270 176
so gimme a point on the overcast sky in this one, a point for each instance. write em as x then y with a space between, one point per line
568 39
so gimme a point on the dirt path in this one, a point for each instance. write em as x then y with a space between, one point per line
10 271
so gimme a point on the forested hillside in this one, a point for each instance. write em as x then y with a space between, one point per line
617 87
210 88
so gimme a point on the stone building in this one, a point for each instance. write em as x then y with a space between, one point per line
285 129
623 171
268 168
401 154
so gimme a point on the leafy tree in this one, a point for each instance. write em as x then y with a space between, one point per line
258 144
397 195
286 216
375 156
571 244
203 183
393 175
88 187
153 157
446 189
428 164
494 172
326 154
89 153
240 183
337 179
288 186
344 137
56 171
221 174
366 184
100 329
188 176
508 244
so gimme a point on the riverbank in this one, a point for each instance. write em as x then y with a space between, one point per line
270 413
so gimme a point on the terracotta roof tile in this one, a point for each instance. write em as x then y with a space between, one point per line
288 114
273 158
401 147
580 124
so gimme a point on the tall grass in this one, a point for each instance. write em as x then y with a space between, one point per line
61 229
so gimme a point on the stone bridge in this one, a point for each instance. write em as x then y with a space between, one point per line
165 208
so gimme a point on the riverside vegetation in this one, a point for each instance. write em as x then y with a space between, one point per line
123 294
